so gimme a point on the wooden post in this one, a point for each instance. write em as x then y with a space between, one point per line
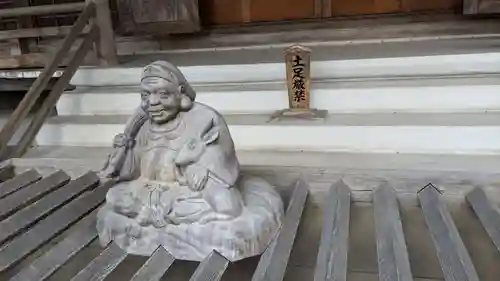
106 41
24 22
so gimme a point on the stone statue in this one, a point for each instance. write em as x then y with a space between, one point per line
179 181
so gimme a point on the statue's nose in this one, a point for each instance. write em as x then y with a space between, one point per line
154 99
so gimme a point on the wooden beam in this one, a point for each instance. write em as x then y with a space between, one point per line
6 171
488 215
211 268
331 263
327 9
41 82
55 31
470 7
82 234
51 226
489 7
28 216
452 254
19 182
155 267
393 260
42 10
30 194
54 95
246 11
101 266
24 22
24 61
273 262
107 46
318 8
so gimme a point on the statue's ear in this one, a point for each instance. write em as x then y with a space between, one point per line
186 103
182 89
211 136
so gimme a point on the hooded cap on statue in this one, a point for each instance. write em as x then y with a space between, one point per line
165 70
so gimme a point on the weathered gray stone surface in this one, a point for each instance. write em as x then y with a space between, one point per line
180 183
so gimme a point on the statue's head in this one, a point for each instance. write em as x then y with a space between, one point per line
165 92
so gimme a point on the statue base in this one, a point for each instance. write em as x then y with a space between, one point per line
302 114
191 236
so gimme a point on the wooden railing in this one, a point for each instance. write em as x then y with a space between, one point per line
96 15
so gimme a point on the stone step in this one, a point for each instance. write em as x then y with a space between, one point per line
60 156
459 93
437 133
231 71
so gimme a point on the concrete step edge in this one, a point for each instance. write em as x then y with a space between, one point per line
490 119
336 84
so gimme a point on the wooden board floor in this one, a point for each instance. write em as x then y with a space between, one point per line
404 231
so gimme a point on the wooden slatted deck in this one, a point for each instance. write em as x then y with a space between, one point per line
47 232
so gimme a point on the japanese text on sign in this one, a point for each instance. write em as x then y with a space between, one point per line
298 83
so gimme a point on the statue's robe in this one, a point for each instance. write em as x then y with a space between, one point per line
158 145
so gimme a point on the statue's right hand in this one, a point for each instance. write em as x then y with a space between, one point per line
105 174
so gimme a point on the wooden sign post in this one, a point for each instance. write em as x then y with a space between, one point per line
298 80
298 75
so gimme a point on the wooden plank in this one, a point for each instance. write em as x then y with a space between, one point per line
487 213
274 260
279 10
246 10
54 95
51 226
24 22
211 268
19 182
326 8
159 17
107 46
452 254
24 60
33 213
155 267
51 31
393 260
489 7
40 10
220 12
41 82
331 263
6 171
100 267
82 234
470 7
318 8
32 193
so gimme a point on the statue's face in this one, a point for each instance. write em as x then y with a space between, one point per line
161 99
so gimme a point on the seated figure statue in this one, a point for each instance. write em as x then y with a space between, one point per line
179 181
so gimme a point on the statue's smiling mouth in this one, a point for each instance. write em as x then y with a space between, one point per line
157 113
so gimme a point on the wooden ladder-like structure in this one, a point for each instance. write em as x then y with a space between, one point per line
35 210
94 23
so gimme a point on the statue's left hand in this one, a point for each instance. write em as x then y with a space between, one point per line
197 177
